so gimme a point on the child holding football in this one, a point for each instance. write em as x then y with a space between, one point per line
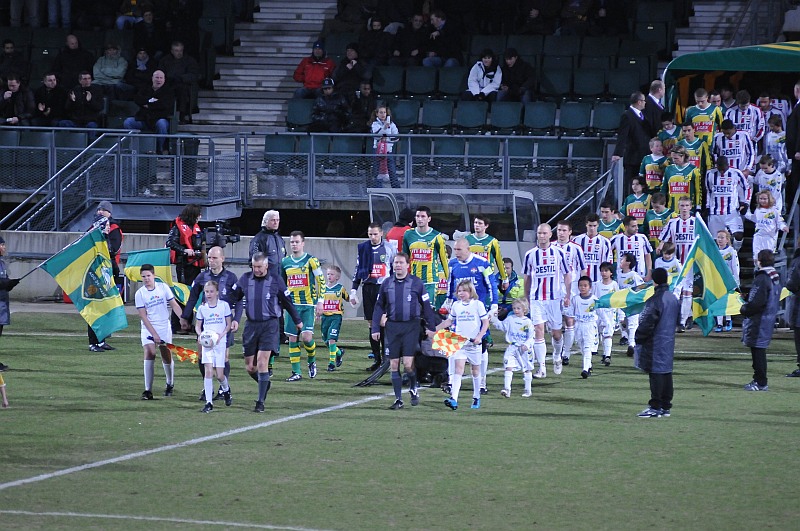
214 315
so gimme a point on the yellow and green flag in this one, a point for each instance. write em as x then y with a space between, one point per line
84 272
159 259
719 287
629 300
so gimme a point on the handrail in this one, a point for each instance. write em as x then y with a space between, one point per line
591 185
753 13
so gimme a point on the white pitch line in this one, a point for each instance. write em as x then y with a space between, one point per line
158 519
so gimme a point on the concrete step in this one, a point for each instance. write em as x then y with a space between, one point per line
704 43
239 106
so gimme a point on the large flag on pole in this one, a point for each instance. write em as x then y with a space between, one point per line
84 272
719 287
159 259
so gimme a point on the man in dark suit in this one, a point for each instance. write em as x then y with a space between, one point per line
653 108
793 145
633 138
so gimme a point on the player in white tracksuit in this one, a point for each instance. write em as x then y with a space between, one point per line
519 353
606 316
583 311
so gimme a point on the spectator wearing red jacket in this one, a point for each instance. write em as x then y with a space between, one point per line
312 71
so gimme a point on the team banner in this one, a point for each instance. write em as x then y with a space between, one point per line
159 259
629 300
84 272
448 342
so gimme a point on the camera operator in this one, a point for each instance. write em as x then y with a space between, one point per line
114 237
184 242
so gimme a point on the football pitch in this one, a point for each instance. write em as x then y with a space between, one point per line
80 450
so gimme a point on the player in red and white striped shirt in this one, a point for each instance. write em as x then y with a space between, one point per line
747 117
680 230
547 286
637 244
735 146
596 247
727 200
577 268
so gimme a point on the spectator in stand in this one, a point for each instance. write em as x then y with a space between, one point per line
331 112
50 100
150 34
183 74
351 71
182 17
395 14
444 42
140 71
91 15
362 103
539 17
17 104
72 60
56 8
349 17
608 18
155 109
84 103
130 12
312 71
12 61
410 43
518 80
575 17
376 46
109 73
31 8
484 78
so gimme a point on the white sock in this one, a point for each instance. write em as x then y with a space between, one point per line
587 359
686 308
633 324
451 368
149 369
476 386
569 339
208 385
507 376
169 371
224 384
484 366
455 383
527 377
607 346
558 348
718 320
540 351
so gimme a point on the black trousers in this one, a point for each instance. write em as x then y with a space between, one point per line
797 341
661 391
759 365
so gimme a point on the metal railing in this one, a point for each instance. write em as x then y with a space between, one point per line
761 23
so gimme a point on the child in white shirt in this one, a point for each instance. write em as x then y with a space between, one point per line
214 315
606 316
582 309
732 260
519 353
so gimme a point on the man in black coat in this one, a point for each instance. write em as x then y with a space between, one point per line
653 108
50 101
793 144
331 112
655 344
793 285
633 138
156 104
759 312
519 78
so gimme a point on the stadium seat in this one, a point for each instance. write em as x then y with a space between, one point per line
471 116
622 82
420 81
422 166
641 63
520 156
32 160
540 118
599 47
92 41
41 63
437 116
68 145
335 43
586 160
452 82
118 110
49 37
405 114
550 158
575 117
221 30
506 116
124 38
298 115
555 84
557 62
347 144
656 32
387 81
589 83
655 12
478 43
9 142
278 153
22 37
562 45
591 61
484 156
605 120
450 158
526 45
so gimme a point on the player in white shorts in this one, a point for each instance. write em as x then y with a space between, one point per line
547 285
627 277
727 199
576 263
606 316
583 311
214 315
471 320
153 302
519 353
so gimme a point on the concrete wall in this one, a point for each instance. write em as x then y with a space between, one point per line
27 250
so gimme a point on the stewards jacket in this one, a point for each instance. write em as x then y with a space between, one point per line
761 308
793 285
272 245
655 337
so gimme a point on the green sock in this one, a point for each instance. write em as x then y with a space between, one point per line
333 350
311 351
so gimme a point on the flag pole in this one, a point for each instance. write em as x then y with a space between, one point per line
59 251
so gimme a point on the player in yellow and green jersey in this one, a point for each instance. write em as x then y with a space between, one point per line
610 225
653 165
705 116
333 299
669 134
426 250
698 153
488 248
681 179
637 204
306 284
656 219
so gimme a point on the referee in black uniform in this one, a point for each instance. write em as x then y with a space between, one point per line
403 299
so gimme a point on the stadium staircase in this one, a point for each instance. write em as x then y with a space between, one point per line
256 81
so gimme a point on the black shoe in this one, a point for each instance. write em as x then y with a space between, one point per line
484 390
681 329
106 346
794 374
623 341
340 357
398 404
374 367
96 348
689 323
3 367
259 407
228 398
208 408
447 389
606 360
331 367
585 374
294 377
169 389
564 360
414 396
269 371
147 395
202 396
629 352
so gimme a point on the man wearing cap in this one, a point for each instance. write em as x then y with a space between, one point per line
6 285
331 112
351 70
155 108
109 72
114 236
655 345
311 71
518 78
140 70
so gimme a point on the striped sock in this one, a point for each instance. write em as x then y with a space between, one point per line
294 356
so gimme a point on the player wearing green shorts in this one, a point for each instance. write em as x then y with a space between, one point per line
306 285
426 250
332 309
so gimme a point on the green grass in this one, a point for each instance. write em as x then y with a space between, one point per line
573 456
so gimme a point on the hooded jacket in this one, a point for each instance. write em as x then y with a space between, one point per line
485 80
311 70
761 308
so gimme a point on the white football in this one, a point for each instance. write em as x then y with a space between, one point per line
208 338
